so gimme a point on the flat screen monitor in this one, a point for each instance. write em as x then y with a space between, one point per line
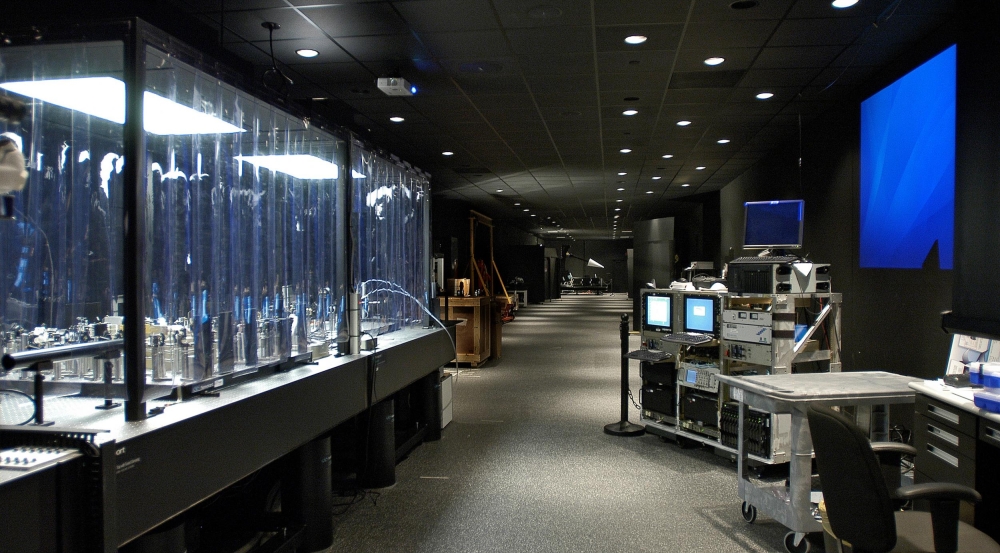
699 314
658 310
775 224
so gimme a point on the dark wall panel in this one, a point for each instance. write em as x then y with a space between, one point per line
891 318
653 255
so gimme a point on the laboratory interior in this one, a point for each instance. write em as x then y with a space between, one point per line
485 276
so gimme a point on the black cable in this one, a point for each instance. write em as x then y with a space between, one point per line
20 393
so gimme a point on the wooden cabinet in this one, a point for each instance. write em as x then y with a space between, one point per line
472 335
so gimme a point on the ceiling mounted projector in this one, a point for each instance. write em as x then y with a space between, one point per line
396 86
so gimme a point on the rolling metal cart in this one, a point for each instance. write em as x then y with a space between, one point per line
790 504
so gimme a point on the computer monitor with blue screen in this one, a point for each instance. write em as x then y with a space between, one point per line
699 314
773 225
658 310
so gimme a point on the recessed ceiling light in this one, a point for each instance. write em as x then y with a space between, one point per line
630 112
743 4
397 119
635 39
765 96
619 200
621 174
667 156
699 168
621 189
526 209
844 3
533 215
447 153
657 178
685 185
723 141
618 209
649 192
625 151
517 203
499 189
714 61
683 123
307 52
617 216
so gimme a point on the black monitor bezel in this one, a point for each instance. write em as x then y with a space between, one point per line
746 218
658 329
715 314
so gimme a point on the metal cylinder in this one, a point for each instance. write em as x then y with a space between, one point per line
354 321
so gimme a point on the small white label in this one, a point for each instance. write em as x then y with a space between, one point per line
736 394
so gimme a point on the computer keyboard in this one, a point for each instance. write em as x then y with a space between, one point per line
648 355
688 338
768 259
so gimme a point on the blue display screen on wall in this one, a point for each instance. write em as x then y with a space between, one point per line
908 168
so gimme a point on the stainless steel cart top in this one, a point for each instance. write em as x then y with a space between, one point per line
784 391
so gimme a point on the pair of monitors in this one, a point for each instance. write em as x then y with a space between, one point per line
699 313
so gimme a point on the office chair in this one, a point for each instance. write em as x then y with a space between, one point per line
860 505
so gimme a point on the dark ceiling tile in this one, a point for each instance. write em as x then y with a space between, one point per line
447 15
467 45
648 99
489 84
706 79
526 13
567 101
577 63
800 56
632 81
214 6
698 96
328 73
378 48
721 10
488 102
817 32
247 25
556 84
728 34
869 9
558 40
483 65
659 37
757 78
693 59
636 61
250 52
284 50
639 12
375 18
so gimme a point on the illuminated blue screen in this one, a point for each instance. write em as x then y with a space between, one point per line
699 315
908 168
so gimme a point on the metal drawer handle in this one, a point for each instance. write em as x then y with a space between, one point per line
946 436
942 413
950 459
992 434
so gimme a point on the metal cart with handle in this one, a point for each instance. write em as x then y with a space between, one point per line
791 504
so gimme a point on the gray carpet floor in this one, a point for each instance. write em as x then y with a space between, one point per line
525 465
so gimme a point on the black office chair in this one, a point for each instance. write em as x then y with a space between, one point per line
861 507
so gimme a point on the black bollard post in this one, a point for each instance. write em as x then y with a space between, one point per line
624 427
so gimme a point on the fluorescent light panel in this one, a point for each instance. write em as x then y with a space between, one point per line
300 166
104 97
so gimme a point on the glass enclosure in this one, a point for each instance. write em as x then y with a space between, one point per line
244 213
390 226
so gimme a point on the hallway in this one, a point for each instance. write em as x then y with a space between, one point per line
525 465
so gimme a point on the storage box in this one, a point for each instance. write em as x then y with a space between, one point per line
988 401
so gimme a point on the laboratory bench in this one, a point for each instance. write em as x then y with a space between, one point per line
126 478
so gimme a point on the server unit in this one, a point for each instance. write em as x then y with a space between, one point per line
762 277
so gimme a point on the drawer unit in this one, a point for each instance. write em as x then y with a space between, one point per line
948 415
942 463
947 437
989 433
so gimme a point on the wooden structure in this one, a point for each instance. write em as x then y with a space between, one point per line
474 331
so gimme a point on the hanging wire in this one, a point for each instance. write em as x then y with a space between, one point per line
281 82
